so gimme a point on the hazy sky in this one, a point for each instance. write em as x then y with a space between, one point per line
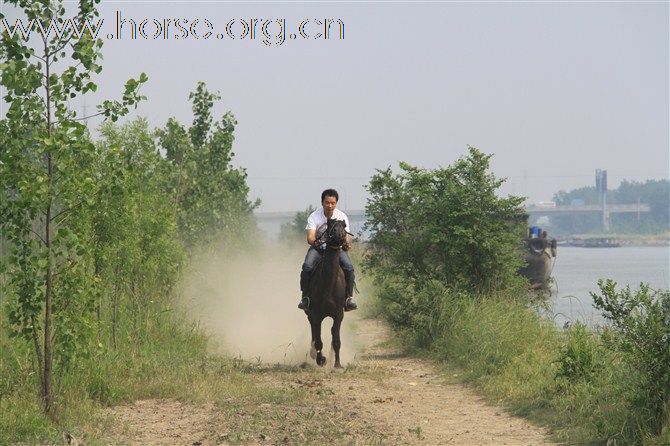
553 90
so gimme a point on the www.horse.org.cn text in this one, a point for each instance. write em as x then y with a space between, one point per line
270 32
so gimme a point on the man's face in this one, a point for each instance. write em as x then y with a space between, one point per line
329 204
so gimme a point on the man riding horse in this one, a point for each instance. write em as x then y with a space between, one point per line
316 226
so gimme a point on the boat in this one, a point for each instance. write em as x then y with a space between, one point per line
539 254
601 242
593 242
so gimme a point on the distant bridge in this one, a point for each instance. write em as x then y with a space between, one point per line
272 220
604 211
357 217
610 209
532 209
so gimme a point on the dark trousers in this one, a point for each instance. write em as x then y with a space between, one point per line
313 255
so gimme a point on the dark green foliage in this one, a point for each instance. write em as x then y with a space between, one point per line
641 330
444 252
446 224
437 230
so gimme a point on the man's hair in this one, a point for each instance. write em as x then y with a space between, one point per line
329 193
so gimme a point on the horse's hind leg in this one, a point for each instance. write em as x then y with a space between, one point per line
335 331
316 341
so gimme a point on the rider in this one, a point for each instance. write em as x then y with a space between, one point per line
316 226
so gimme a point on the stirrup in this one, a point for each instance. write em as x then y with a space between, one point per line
350 304
304 303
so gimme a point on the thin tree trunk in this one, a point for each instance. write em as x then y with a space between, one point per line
98 303
48 360
115 305
38 351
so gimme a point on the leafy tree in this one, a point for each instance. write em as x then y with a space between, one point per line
445 224
137 251
46 160
210 194
641 330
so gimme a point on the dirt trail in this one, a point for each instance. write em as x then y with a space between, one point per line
382 397
413 399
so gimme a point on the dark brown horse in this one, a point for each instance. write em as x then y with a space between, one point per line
327 291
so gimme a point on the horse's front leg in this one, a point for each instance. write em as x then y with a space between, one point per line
316 340
335 331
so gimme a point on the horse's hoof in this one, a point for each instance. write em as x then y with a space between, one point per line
320 360
338 365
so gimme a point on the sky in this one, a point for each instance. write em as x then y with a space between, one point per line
554 90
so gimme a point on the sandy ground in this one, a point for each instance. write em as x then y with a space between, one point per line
384 396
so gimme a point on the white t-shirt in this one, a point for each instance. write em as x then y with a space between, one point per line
318 220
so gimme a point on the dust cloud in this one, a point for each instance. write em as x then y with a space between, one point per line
247 303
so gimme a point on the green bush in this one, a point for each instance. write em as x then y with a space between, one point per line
416 313
641 330
577 359
446 224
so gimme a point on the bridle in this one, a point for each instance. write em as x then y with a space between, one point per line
328 235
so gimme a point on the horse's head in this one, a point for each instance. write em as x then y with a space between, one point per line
336 233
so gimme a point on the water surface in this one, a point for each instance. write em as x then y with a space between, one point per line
577 270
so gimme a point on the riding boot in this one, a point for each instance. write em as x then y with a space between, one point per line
349 304
304 285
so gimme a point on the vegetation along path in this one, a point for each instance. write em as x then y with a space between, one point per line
383 397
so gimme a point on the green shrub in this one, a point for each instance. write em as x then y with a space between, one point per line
446 224
577 359
641 331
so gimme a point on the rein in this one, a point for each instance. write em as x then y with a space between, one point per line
327 235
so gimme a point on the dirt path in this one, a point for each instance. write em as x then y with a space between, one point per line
382 397
413 399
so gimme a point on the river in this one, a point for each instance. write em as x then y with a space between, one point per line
577 270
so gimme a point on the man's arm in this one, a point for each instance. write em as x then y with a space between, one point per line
347 243
311 236
347 238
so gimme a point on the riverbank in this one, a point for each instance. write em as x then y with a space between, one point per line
581 384
626 239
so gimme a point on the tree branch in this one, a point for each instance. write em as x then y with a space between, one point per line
38 236
64 211
88 117
38 57
56 50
